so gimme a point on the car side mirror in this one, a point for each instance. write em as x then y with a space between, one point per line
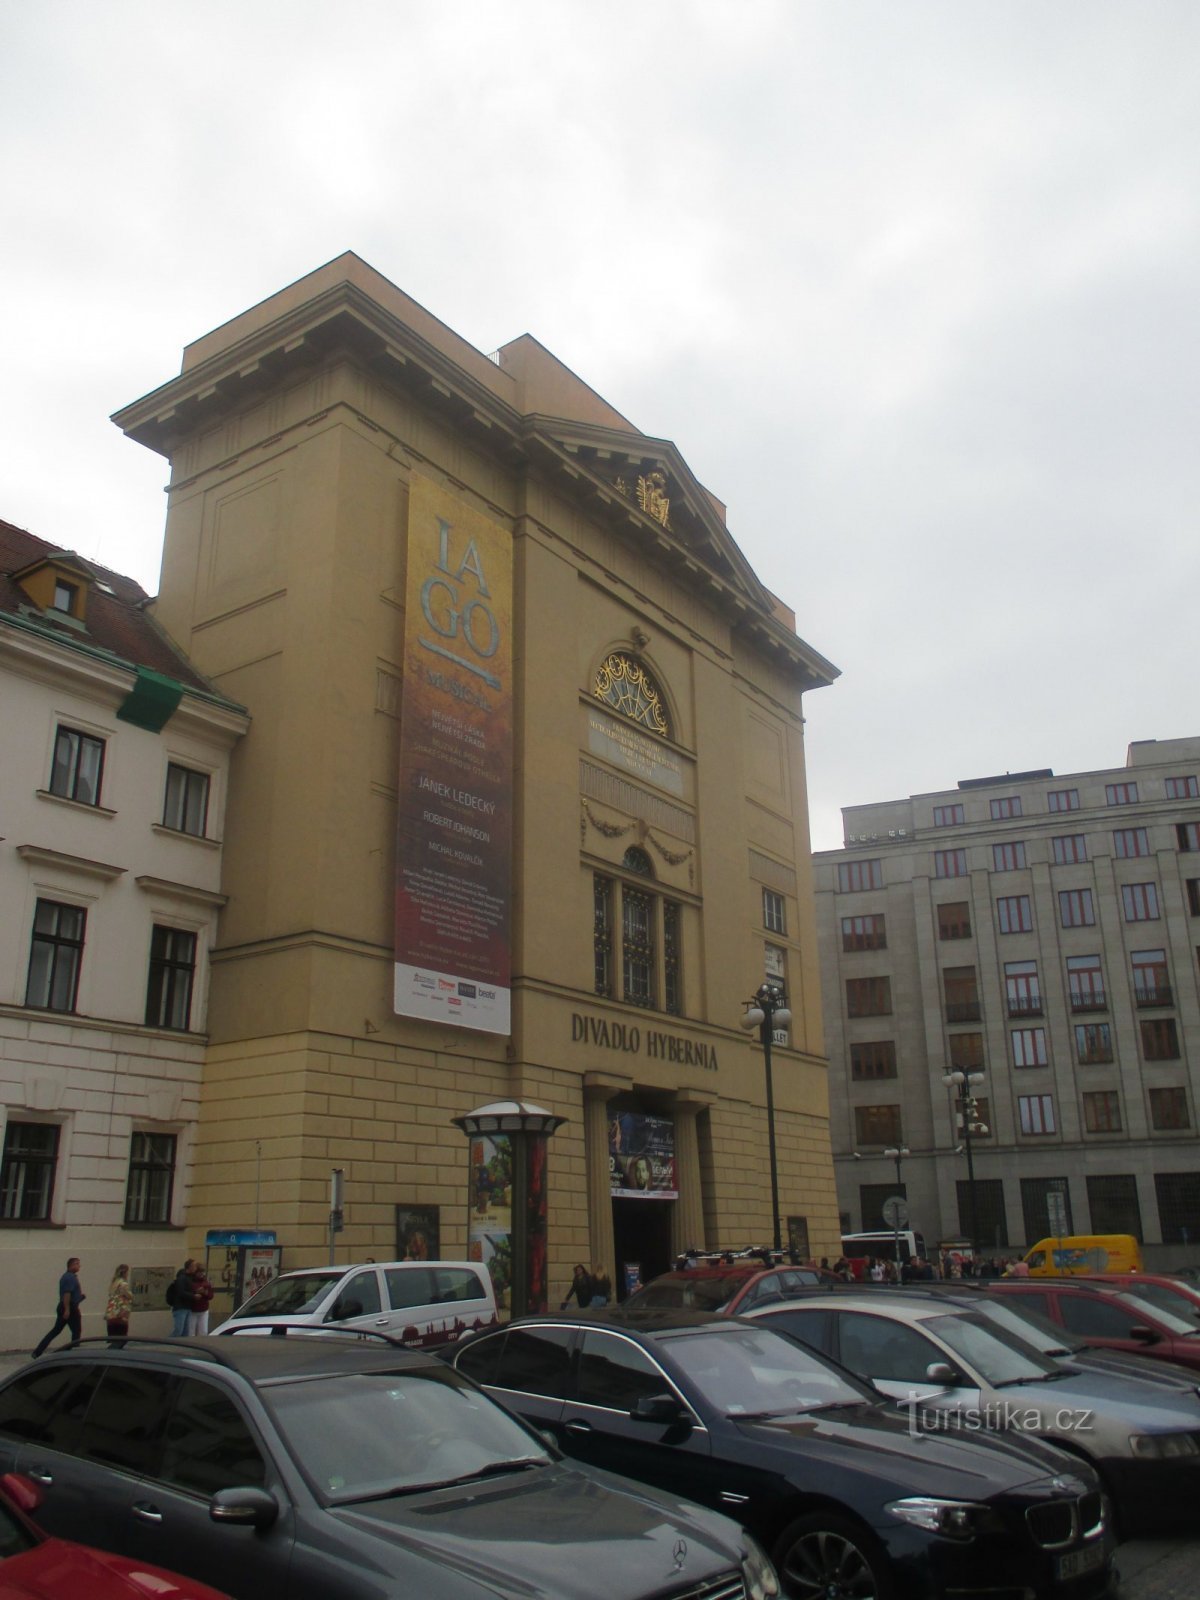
942 1372
248 1507
663 1409
1144 1335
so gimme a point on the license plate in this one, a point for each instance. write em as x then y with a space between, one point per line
1078 1562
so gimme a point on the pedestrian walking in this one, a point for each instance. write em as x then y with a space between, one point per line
66 1312
581 1288
201 1295
119 1304
179 1298
601 1287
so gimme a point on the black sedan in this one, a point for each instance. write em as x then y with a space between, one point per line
847 1498
325 1468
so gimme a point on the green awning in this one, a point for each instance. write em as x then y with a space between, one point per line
151 702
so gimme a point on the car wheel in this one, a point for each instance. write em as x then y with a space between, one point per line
827 1557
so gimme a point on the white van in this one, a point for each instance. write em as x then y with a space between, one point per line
424 1303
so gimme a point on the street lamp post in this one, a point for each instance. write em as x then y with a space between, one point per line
768 1007
968 1116
897 1153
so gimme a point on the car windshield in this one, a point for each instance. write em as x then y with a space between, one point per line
1164 1299
997 1355
760 1373
286 1297
1031 1326
689 1292
1135 1300
366 1435
15 1537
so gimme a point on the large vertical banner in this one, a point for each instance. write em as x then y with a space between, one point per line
454 828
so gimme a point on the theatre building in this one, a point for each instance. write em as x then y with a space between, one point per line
520 814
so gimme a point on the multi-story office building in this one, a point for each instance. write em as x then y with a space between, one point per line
521 812
112 797
1043 931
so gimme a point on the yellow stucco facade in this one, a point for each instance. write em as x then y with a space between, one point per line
295 434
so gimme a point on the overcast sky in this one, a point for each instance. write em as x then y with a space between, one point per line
914 287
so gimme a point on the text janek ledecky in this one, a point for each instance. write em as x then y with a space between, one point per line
632 1040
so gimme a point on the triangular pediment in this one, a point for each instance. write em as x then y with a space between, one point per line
651 480
645 487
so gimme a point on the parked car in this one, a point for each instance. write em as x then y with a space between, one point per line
813 1462
33 1566
965 1360
1017 1313
327 1467
422 1303
1115 1319
726 1285
1179 1295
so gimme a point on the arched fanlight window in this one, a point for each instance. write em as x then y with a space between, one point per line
635 860
626 686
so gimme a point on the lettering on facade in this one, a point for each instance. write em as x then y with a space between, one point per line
629 1039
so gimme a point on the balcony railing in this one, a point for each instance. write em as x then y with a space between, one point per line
1024 1005
1153 994
1092 1000
963 1011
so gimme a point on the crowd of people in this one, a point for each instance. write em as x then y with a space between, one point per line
919 1269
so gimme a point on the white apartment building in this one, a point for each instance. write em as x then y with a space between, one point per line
1045 931
112 792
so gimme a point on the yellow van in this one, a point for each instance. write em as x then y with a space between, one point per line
1084 1252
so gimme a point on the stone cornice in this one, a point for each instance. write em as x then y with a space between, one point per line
189 892
40 856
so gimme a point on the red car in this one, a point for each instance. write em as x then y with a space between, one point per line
727 1285
35 1567
1109 1318
1159 1288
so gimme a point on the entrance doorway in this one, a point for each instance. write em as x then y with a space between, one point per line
641 1236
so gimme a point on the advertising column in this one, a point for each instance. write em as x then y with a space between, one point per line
454 827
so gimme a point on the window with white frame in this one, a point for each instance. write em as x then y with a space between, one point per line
78 766
29 1167
55 956
774 912
171 978
185 804
151 1182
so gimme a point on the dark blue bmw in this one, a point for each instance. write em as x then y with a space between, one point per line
849 1499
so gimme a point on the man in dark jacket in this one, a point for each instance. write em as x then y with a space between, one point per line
181 1301
66 1312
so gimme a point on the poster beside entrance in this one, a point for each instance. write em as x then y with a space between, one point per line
641 1157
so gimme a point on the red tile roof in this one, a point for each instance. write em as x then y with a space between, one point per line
116 617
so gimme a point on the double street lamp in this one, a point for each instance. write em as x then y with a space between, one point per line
967 1107
767 1009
